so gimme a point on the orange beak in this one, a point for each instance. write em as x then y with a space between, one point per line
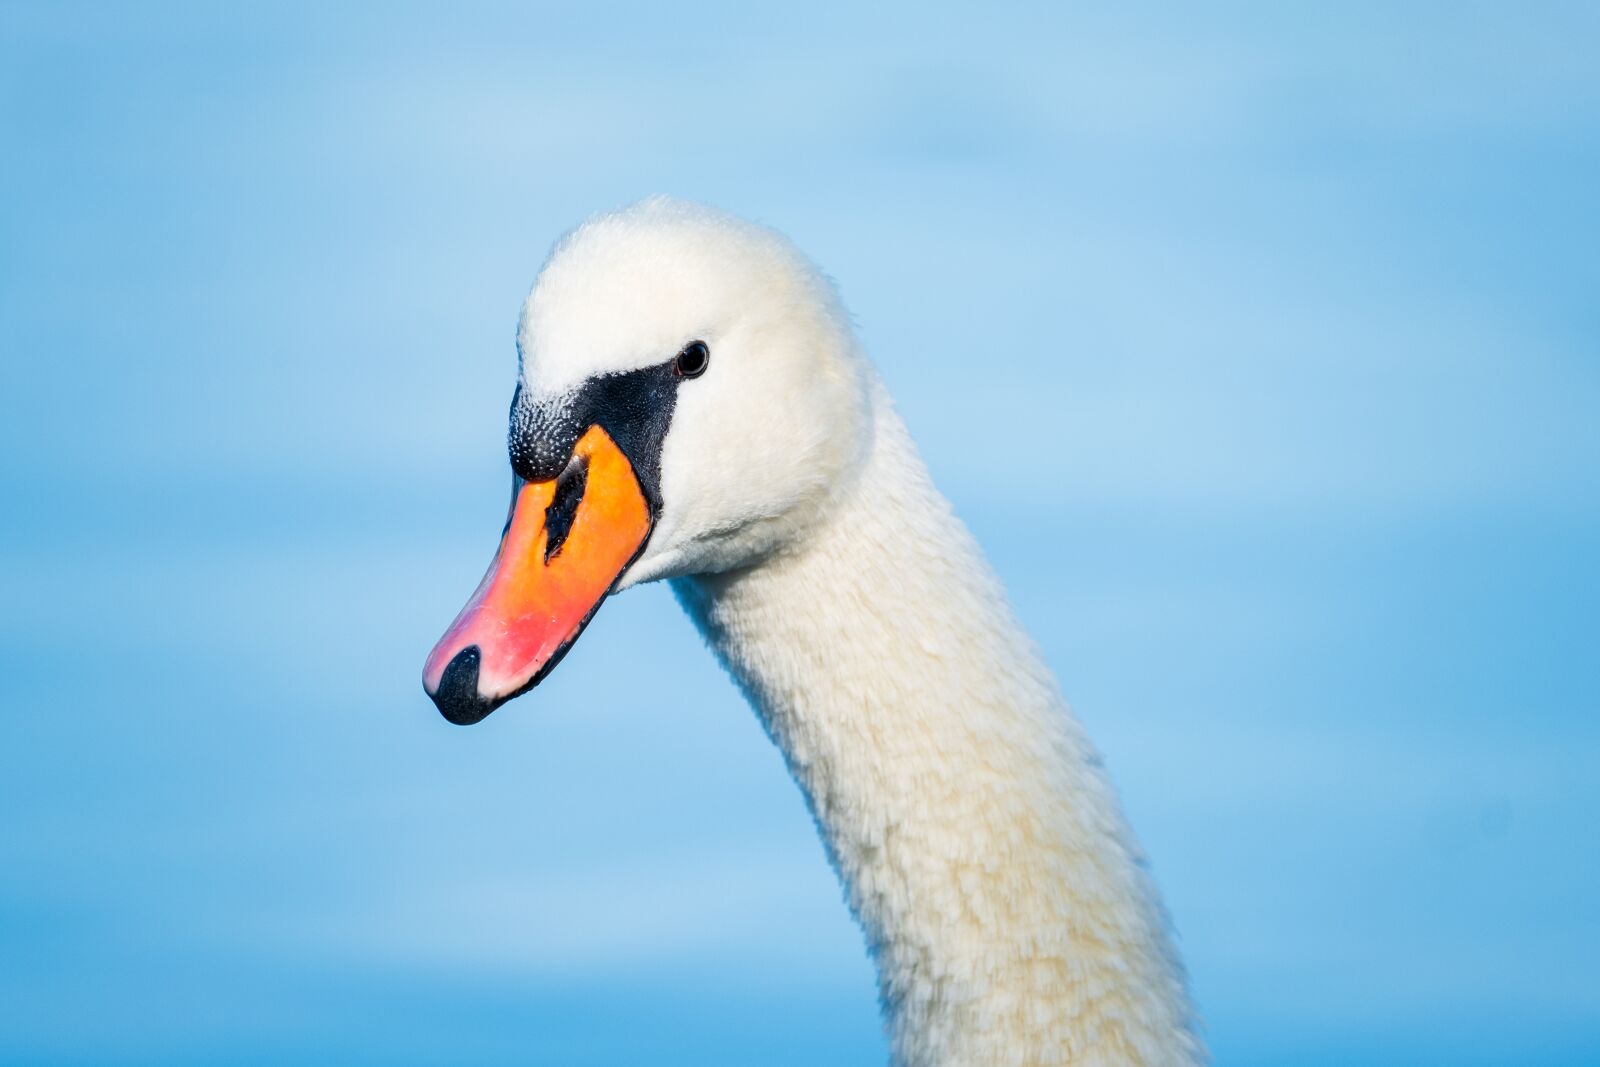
566 543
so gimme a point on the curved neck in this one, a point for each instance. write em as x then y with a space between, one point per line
980 844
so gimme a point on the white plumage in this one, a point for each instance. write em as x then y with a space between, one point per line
979 842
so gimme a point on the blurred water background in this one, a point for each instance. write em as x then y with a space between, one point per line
1277 325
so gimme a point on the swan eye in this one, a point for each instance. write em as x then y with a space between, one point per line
692 361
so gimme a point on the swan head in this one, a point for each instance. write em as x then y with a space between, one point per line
689 397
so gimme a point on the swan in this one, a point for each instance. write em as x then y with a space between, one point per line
692 404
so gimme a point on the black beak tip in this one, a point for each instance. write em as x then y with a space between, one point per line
457 696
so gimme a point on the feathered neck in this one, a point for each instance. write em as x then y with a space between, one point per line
980 844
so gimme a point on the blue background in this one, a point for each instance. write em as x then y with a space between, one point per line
1278 327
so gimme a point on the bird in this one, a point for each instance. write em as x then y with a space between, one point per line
693 405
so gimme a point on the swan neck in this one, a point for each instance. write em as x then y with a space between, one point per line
982 851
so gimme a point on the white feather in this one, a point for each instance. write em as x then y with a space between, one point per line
979 842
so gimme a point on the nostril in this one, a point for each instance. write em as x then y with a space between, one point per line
564 504
457 696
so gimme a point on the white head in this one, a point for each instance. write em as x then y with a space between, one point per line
718 467
780 414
